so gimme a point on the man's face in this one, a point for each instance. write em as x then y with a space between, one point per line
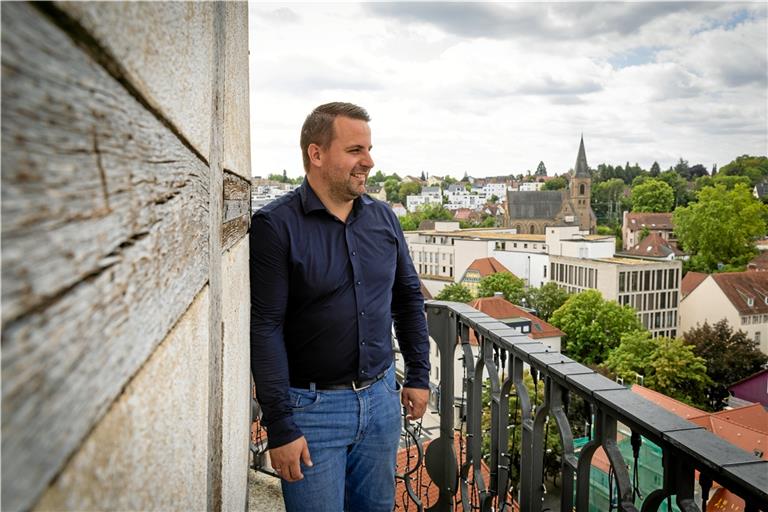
347 160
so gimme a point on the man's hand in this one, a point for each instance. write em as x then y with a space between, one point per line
285 459
415 402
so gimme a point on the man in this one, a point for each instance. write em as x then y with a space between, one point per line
330 272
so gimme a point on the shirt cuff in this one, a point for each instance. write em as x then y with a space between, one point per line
418 380
282 432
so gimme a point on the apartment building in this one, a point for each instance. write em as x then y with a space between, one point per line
652 288
739 297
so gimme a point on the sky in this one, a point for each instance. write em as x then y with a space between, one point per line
494 88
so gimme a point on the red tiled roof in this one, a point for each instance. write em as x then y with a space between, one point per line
752 416
724 500
759 264
422 484
501 309
747 291
691 281
487 266
462 214
638 220
654 246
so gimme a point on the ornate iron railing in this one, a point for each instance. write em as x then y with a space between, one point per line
470 467
466 481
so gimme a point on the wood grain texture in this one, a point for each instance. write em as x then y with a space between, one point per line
215 318
237 209
104 245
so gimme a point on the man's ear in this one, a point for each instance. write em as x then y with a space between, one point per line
315 153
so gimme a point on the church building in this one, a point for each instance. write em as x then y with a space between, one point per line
533 212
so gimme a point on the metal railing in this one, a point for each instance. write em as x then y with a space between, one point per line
472 462
469 482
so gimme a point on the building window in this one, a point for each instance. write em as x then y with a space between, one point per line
757 337
533 229
582 189
545 271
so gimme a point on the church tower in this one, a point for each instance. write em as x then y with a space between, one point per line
581 191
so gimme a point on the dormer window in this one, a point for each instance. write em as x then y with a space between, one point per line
750 301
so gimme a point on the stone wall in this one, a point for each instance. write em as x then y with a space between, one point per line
125 200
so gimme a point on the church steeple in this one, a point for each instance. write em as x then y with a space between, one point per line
581 170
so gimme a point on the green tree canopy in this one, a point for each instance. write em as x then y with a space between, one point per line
652 196
721 227
655 170
541 170
411 188
753 167
411 220
729 182
593 325
608 200
556 183
729 357
505 282
680 186
379 177
456 292
546 299
392 188
668 366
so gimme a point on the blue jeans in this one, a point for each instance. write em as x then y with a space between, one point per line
353 438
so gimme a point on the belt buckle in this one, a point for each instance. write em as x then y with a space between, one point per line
356 388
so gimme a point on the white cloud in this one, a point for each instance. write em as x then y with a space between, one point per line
494 88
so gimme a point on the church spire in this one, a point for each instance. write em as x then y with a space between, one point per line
581 170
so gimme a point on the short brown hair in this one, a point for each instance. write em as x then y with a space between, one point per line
318 126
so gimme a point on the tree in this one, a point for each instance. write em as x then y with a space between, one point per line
668 366
392 187
753 167
546 299
681 168
556 183
505 282
455 292
494 199
652 196
721 227
593 325
655 170
541 170
697 171
682 194
377 178
729 357
408 189
423 177
285 176
607 199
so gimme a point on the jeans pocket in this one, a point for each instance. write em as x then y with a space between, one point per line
392 384
303 399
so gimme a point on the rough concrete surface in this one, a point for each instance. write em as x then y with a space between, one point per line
264 493
236 375
149 451
167 50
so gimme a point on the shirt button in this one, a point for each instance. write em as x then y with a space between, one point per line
354 253
362 342
358 283
362 313
363 372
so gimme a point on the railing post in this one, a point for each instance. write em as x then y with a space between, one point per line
440 458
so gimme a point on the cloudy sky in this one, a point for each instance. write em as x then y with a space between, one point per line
493 88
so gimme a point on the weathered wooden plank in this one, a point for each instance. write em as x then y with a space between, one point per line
215 318
104 245
237 208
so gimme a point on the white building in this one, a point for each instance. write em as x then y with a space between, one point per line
413 203
741 298
530 186
652 288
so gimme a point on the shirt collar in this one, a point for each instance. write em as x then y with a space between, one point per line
310 202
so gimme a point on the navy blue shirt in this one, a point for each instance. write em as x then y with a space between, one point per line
324 295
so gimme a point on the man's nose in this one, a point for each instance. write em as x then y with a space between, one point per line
368 160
